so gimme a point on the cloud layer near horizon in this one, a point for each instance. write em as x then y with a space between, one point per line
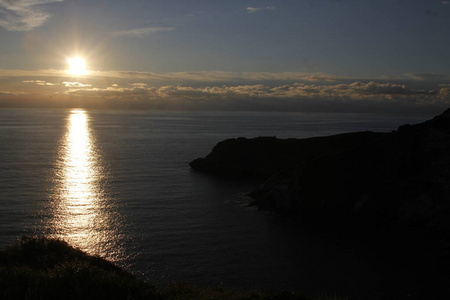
298 96
223 91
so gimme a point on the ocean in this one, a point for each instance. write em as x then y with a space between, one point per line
118 184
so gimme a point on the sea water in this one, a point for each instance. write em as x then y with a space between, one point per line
118 184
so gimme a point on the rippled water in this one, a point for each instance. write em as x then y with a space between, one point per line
81 212
118 184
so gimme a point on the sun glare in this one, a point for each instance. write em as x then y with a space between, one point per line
77 66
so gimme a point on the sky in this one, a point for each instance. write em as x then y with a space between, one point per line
284 55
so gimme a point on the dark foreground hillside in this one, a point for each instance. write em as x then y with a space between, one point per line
42 268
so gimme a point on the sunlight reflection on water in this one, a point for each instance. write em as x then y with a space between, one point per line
82 214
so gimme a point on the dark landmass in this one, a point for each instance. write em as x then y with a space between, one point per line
391 189
42 268
401 176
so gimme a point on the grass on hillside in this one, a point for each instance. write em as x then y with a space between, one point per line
42 268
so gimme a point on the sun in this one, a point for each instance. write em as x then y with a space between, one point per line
77 66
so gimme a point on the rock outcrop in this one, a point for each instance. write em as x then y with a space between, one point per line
400 176
266 156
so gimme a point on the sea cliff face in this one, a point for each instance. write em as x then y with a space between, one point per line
400 176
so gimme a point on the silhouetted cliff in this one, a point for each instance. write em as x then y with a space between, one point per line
265 156
402 176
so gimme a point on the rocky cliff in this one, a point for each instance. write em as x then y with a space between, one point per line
400 176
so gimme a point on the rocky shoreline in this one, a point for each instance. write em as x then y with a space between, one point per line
386 179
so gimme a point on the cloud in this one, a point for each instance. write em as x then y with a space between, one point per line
23 15
139 84
374 88
320 77
356 90
75 84
356 96
315 94
221 76
427 77
183 77
444 92
9 93
141 32
111 93
39 82
219 90
31 73
255 9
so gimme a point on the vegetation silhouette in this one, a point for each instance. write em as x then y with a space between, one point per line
44 268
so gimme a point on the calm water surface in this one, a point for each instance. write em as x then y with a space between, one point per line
118 184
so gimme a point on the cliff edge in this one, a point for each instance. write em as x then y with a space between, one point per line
401 176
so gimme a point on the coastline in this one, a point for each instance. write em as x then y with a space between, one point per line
399 177
389 190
